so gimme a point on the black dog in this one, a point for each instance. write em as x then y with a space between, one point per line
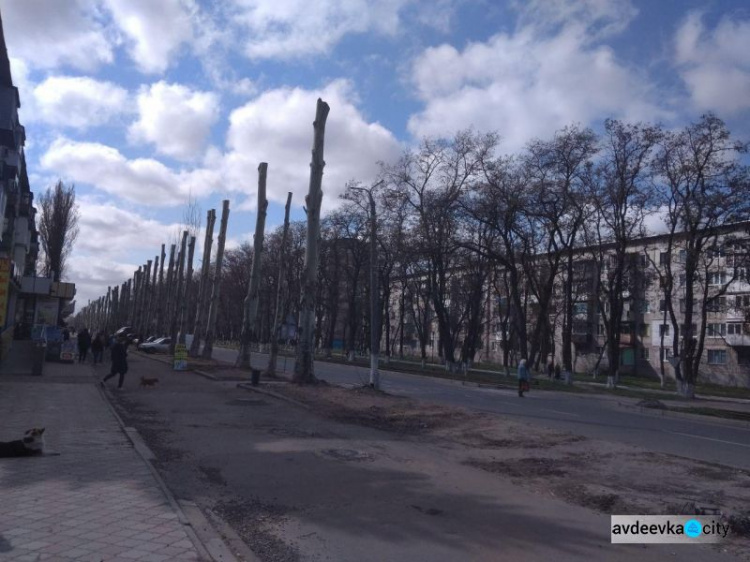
31 445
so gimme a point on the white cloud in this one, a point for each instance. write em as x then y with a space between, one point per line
51 33
297 28
142 180
277 128
175 119
78 102
531 82
155 29
106 229
715 65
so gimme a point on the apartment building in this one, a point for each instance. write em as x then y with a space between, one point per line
646 339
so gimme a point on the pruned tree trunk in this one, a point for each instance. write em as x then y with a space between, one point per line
203 292
304 371
253 286
186 291
271 369
160 294
169 289
179 293
213 310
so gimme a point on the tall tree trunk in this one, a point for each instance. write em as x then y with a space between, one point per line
213 310
160 294
169 290
304 369
186 292
253 286
271 369
180 294
203 292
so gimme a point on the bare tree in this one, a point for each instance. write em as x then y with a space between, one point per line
253 287
58 227
279 310
304 370
704 187
621 195
213 310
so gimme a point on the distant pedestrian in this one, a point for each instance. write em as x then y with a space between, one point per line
97 348
550 370
523 378
84 343
557 371
119 355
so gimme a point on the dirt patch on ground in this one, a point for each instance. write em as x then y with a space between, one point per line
611 478
376 409
254 522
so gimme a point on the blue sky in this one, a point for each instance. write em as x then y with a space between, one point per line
144 104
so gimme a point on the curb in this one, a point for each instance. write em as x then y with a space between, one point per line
147 456
247 386
710 420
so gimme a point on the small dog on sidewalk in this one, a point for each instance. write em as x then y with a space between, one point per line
31 445
146 381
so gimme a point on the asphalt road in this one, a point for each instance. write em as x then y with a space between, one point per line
298 486
599 417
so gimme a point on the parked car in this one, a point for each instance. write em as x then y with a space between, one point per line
160 345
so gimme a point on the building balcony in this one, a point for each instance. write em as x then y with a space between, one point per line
738 340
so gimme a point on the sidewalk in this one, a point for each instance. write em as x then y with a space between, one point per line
98 499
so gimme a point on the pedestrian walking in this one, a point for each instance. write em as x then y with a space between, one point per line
557 371
97 348
119 355
550 370
523 378
84 343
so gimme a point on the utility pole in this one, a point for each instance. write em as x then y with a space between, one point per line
374 294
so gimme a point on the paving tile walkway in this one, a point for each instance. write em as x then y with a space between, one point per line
97 500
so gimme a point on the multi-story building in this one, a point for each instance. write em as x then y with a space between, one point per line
646 334
24 298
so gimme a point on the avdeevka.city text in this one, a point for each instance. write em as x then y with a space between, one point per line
667 528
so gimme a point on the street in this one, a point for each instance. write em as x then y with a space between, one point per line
298 486
600 417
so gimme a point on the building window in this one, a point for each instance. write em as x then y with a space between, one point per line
717 278
718 304
663 258
683 256
717 356
580 308
662 305
663 330
645 353
716 330
734 329
665 353
644 330
645 307
683 278
600 329
742 301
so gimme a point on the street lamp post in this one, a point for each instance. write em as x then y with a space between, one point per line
374 307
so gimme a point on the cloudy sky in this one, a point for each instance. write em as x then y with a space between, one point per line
147 104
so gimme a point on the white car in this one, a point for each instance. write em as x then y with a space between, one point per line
160 345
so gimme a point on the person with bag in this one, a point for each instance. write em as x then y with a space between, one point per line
523 377
119 355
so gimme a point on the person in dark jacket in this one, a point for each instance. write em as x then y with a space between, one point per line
84 343
97 348
523 377
119 355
